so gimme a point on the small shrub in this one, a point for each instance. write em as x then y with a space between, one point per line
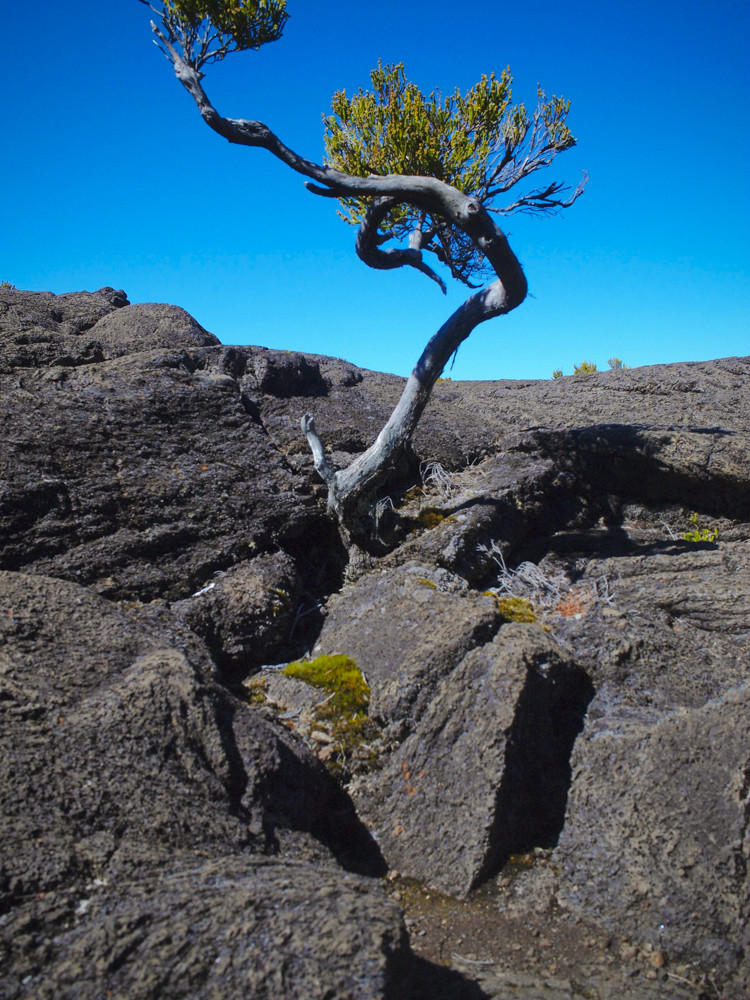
616 364
7 286
699 534
557 373
255 690
584 368
572 604
430 518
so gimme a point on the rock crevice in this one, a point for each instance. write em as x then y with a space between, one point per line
555 635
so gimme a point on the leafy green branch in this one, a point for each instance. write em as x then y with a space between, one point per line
479 143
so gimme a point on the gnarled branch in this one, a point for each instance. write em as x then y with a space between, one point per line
349 487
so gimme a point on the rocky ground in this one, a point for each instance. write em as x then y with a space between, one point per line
549 795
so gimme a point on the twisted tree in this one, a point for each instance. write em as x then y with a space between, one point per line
423 174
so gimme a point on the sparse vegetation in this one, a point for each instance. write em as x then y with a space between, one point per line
585 368
427 173
343 714
431 518
516 609
7 286
706 533
545 593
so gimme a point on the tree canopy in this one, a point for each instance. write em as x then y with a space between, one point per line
478 142
208 30
424 172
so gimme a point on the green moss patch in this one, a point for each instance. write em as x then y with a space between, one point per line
344 712
431 518
516 609
340 676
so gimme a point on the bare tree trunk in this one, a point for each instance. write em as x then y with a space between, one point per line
358 481
351 489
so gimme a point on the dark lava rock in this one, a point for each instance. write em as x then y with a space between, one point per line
147 326
655 841
221 929
125 768
116 748
132 476
162 533
405 634
247 614
38 329
657 835
484 774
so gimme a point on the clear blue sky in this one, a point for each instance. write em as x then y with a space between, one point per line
109 177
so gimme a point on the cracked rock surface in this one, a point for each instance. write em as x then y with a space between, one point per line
551 796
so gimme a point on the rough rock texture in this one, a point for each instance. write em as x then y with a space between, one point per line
230 927
122 745
121 757
673 830
163 535
662 767
148 325
484 774
246 614
405 633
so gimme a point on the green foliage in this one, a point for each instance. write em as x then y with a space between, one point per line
344 713
431 518
208 30
709 533
340 676
7 286
584 368
516 609
470 141
397 130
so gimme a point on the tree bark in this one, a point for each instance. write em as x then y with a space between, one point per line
349 489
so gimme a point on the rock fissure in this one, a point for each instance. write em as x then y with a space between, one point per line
556 649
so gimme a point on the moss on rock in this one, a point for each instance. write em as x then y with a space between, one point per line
344 712
516 609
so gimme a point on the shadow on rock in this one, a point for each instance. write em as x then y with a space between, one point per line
437 982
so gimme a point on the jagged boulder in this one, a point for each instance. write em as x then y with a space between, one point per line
163 533
657 836
132 475
485 772
39 329
114 742
124 761
406 628
655 842
246 614
222 928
